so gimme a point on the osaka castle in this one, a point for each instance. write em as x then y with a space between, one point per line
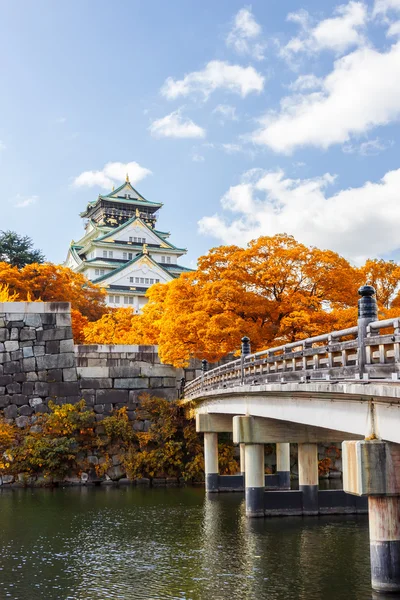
122 250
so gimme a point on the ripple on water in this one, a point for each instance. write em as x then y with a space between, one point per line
131 544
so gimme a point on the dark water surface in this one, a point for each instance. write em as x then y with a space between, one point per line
153 544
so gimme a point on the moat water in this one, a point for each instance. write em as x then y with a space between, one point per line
155 544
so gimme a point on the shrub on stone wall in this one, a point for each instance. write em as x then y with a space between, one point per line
72 442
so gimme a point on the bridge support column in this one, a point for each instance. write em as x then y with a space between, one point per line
254 480
371 468
211 461
308 477
242 459
283 465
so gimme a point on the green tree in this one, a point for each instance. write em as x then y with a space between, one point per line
17 250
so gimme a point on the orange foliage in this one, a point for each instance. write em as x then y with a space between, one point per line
54 283
275 290
79 322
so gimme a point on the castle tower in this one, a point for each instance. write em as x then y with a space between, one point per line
122 250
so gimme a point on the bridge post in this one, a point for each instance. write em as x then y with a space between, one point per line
242 458
211 468
245 350
283 465
367 312
308 477
254 480
371 468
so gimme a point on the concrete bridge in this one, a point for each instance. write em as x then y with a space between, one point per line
338 387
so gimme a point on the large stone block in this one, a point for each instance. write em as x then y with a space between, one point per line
70 374
55 361
48 335
64 388
29 364
4 334
5 379
14 334
10 346
13 388
32 320
11 412
16 355
66 346
124 371
95 384
93 372
132 383
27 352
12 367
4 401
22 421
41 388
52 347
112 396
18 399
27 333
4 357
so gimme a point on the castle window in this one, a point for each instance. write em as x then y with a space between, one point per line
104 253
157 281
130 279
111 299
169 259
125 299
130 299
142 280
146 281
124 255
130 255
131 240
116 299
163 259
151 281
96 272
110 254
102 271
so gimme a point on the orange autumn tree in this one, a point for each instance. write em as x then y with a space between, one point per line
54 283
275 290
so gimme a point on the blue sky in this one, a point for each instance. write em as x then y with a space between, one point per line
242 119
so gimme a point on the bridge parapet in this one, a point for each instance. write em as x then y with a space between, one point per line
370 350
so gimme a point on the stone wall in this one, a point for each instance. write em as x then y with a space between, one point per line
39 362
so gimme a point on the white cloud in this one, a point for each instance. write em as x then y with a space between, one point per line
337 33
356 222
384 6
175 125
24 201
306 82
368 148
394 29
243 37
359 94
217 74
197 157
231 148
226 112
112 173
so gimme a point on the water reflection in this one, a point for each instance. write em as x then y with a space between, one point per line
131 544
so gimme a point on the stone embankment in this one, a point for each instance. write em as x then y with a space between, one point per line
39 363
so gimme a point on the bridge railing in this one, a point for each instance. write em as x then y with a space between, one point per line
371 349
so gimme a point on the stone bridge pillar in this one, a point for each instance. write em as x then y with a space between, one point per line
283 465
308 477
210 425
254 480
372 468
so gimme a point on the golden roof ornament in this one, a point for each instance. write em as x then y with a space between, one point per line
145 251
137 212
127 178
113 188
